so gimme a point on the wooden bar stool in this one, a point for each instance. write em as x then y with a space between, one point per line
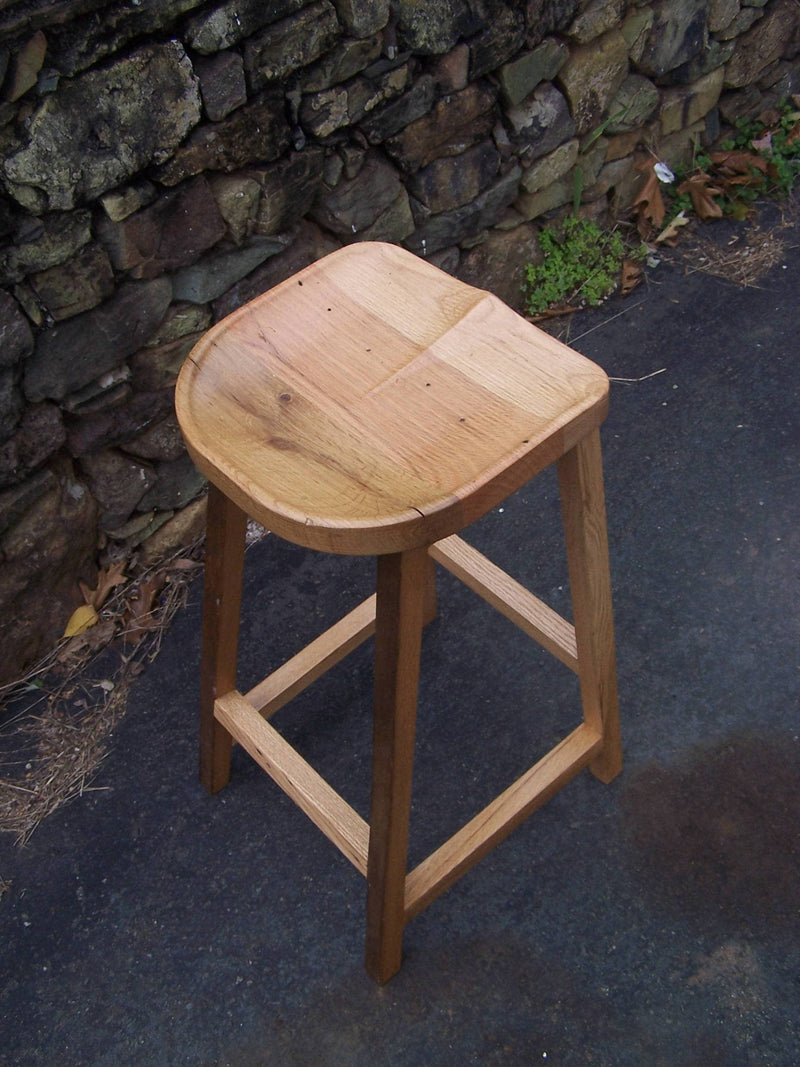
373 405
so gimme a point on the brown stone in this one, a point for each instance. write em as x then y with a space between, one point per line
326 112
16 501
453 181
27 64
171 232
39 435
75 286
288 189
255 133
118 483
454 124
354 205
450 72
498 263
118 424
762 45
44 554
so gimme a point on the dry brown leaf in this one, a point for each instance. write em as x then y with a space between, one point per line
106 581
702 192
139 618
649 204
794 134
632 274
89 641
737 167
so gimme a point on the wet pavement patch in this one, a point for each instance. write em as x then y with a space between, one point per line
718 836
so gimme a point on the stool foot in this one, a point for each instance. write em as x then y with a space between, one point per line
402 593
222 597
580 474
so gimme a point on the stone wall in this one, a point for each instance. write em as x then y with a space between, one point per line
165 160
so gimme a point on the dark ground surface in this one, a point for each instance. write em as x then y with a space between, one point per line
652 921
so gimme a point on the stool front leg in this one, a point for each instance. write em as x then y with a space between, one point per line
580 475
222 600
402 593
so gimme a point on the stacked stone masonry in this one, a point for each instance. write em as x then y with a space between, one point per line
163 161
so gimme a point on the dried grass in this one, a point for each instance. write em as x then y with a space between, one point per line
50 751
743 260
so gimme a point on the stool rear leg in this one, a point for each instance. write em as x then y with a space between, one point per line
403 591
222 599
580 475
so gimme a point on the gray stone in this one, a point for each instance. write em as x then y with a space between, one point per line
721 14
392 225
762 45
362 18
104 126
355 205
453 181
82 40
75 286
635 103
742 104
16 339
345 61
118 424
310 245
541 122
519 78
550 168
451 227
177 483
213 275
170 233
683 106
288 189
743 21
164 441
453 125
384 121
592 76
75 352
227 23
676 36
222 84
635 29
553 196
11 403
711 58
45 243
108 391
180 320
497 42
255 133
598 18
544 17
289 44
118 483
323 113
435 26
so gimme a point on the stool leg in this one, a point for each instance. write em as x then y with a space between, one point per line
222 598
429 607
580 474
401 597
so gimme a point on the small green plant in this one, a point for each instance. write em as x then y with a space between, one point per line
582 264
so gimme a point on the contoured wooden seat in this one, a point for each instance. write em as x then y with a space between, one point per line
374 405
